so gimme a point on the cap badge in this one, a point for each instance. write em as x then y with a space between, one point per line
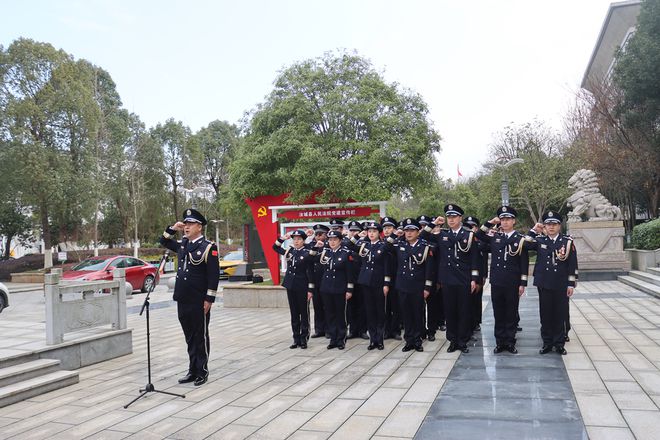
450 207
188 212
409 221
550 214
503 208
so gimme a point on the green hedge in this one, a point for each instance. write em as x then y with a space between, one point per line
647 235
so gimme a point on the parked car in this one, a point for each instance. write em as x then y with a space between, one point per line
230 262
139 273
4 297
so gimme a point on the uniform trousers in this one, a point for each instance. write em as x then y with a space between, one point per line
392 313
299 308
374 303
552 308
458 312
335 317
195 327
412 306
434 311
319 314
356 314
476 299
505 311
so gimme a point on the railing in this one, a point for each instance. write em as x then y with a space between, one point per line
73 306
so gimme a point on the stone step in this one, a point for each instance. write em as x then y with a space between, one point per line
37 385
27 370
638 284
653 270
645 276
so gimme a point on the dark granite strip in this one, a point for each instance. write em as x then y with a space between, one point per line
505 396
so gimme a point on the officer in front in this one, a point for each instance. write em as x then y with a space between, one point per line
195 289
508 275
299 283
554 275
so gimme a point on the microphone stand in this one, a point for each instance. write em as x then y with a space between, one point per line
149 387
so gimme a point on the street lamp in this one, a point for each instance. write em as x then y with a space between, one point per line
204 191
217 235
505 181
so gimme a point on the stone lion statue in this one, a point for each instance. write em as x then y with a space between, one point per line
587 201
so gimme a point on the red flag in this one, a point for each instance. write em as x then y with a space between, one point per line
458 171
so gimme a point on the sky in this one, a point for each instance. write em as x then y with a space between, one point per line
480 65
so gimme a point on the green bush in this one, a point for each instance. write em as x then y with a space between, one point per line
647 235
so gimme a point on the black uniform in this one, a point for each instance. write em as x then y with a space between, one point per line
554 271
457 266
196 281
338 279
298 280
374 258
508 271
414 275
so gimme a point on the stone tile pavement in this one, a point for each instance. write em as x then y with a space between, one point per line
260 389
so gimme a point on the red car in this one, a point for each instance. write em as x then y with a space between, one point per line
139 273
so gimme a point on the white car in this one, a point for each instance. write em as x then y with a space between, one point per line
4 297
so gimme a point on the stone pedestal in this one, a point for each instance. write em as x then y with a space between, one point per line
600 251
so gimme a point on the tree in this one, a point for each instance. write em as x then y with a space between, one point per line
217 143
333 123
541 181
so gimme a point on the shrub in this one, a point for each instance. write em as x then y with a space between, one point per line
647 235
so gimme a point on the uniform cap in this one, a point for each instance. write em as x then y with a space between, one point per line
410 223
299 233
506 211
471 221
194 216
424 220
335 222
334 234
388 221
452 209
373 225
552 217
320 228
354 226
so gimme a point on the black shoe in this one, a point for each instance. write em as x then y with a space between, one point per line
397 337
364 336
561 350
371 347
407 347
431 337
477 328
419 348
201 380
498 349
331 346
318 335
452 348
443 328
567 339
518 329
303 346
464 349
341 346
512 349
545 349
380 347
188 378
294 345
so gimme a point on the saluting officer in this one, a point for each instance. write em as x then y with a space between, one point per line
554 275
374 254
320 233
414 278
458 275
299 283
195 289
392 305
336 286
508 275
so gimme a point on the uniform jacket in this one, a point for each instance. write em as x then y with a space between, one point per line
457 257
552 269
415 266
339 270
375 262
509 263
199 270
299 274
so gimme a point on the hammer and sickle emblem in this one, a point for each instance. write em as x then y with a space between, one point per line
262 211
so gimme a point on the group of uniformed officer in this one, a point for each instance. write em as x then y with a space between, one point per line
373 279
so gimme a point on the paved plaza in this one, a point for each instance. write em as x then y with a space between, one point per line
607 387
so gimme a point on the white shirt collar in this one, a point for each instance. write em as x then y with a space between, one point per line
456 231
197 239
554 238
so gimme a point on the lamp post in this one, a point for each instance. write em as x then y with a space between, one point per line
505 181
217 225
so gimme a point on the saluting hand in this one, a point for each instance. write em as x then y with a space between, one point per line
287 235
494 221
178 226
309 232
439 221
320 244
538 228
